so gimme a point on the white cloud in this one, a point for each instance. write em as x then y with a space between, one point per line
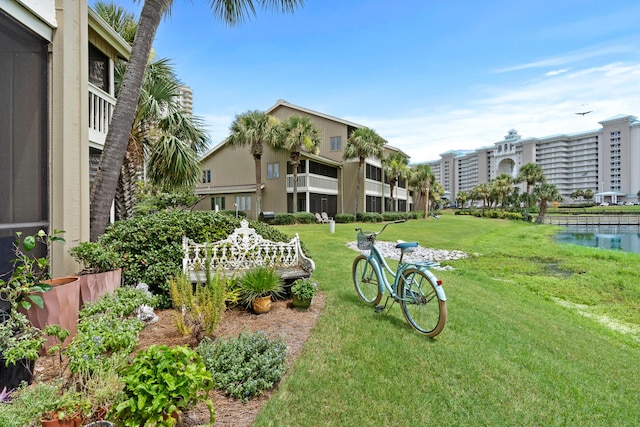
556 72
536 109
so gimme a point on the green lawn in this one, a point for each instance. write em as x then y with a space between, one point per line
511 353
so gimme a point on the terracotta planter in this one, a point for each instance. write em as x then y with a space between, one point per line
261 304
74 421
61 305
94 285
300 304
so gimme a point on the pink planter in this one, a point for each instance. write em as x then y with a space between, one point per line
93 286
61 305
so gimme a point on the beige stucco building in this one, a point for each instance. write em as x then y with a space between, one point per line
603 160
326 183
56 99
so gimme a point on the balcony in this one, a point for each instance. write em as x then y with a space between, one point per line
101 106
313 183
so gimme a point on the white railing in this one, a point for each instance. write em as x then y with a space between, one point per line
101 106
310 182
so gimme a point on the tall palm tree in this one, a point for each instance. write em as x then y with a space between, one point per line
461 198
503 186
255 128
160 127
482 192
545 193
396 167
298 134
532 174
103 191
363 143
421 179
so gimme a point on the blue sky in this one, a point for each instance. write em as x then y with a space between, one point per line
429 76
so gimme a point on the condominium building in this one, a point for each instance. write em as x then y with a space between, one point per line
602 160
326 182
185 98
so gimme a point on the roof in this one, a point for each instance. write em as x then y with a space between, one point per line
224 189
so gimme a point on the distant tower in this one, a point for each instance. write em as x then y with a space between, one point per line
185 98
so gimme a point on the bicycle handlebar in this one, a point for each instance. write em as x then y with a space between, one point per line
375 233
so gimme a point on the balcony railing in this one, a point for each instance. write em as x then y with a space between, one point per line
311 182
101 106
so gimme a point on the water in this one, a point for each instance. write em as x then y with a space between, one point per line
624 238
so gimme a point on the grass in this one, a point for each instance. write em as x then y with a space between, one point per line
509 355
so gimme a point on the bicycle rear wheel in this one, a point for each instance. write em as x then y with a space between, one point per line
420 304
366 280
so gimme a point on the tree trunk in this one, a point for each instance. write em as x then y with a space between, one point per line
426 203
295 163
125 199
360 167
543 211
115 146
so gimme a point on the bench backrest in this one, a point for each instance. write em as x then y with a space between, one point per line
241 250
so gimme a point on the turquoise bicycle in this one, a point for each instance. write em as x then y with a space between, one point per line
412 284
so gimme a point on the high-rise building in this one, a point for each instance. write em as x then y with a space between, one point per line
185 98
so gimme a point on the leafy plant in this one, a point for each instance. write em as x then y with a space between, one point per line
95 257
245 366
124 301
27 405
260 282
304 288
70 404
28 271
60 334
19 339
198 308
160 382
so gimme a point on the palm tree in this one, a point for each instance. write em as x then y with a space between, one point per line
532 174
588 194
435 193
503 186
482 192
362 143
103 191
544 194
298 134
461 198
161 127
255 128
421 180
396 167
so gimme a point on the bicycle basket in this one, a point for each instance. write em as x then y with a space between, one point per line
363 241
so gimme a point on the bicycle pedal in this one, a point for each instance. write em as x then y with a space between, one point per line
379 308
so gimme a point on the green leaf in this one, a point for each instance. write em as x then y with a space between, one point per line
29 243
37 300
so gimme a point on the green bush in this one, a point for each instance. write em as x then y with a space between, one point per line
162 381
304 218
151 246
245 366
369 217
344 218
284 219
395 216
240 214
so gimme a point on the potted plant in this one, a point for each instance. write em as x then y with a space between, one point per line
258 285
101 270
20 341
66 411
302 292
161 383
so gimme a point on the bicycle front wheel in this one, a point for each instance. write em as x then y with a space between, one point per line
420 304
366 280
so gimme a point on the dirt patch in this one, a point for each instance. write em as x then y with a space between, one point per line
283 320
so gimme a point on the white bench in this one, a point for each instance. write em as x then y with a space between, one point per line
242 250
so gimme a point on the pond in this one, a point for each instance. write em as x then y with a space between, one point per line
616 237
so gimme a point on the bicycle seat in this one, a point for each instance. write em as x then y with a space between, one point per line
406 245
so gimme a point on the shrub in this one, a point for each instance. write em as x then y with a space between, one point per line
304 218
245 366
369 217
95 258
161 382
395 216
199 307
344 218
284 219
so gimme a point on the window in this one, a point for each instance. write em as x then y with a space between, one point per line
273 170
98 68
217 204
206 176
243 203
324 170
335 143
374 173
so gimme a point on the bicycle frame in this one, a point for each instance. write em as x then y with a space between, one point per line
380 265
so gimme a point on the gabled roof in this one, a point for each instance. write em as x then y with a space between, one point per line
109 34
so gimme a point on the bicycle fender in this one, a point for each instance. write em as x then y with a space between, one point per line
439 288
